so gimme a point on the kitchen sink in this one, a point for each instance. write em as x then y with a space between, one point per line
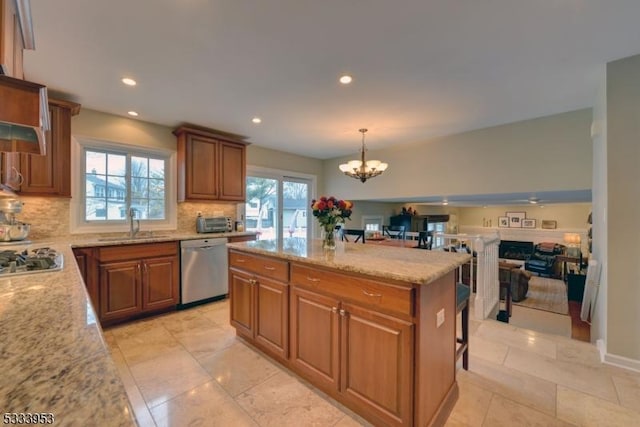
136 238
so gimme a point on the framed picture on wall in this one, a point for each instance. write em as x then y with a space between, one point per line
528 223
549 224
515 219
503 221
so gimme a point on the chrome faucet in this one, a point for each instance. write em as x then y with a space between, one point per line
133 230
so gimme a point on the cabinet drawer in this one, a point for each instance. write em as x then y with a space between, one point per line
128 252
263 266
388 298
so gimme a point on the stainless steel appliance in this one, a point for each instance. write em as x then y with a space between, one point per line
10 228
14 262
216 224
204 271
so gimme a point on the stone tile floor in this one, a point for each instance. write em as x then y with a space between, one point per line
187 368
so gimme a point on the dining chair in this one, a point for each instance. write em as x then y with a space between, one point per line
398 231
352 232
425 240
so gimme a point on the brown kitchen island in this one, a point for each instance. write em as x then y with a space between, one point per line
360 323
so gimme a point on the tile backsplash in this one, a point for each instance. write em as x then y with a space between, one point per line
49 216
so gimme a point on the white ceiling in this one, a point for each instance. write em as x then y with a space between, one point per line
421 68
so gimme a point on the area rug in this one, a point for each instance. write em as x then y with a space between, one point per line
546 294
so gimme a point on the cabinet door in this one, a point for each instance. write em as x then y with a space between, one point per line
10 40
50 174
241 294
272 314
232 172
377 364
314 337
201 168
160 283
120 290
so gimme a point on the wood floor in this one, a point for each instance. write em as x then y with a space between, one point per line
579 330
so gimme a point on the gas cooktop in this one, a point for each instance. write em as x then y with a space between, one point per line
14 262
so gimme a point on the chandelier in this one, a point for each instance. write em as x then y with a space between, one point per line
361 169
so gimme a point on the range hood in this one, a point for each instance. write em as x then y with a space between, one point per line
24 116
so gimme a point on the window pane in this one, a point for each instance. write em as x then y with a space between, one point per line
116 164
295 203
95 162
95 209
262 193
156 188
139 188
156 168
156 209
139 166
116 210
116 188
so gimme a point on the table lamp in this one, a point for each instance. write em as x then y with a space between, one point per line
573 244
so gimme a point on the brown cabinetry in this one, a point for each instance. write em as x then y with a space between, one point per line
11 45
260 302
128 281
211 167
48 175
371 343
361 354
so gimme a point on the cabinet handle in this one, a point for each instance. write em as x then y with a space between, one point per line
334 309
253 281
312 279
266 267
342 312
369 294
241 260
145 267
138 267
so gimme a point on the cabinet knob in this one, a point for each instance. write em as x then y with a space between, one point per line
312 279
266 267
342 312
334 309
253 281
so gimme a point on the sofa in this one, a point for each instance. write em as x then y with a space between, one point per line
543 260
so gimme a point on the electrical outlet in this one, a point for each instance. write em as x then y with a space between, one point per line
440 318
198 213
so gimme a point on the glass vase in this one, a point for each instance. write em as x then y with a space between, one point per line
329 238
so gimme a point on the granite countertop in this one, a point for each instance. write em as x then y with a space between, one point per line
53 357
409 265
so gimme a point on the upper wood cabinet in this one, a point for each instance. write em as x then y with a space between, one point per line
48 175
211 167
11 44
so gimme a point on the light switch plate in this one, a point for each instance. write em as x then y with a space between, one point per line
440 318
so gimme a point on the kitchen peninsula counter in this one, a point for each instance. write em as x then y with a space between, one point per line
53 357
372 326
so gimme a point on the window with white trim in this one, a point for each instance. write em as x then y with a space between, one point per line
110 178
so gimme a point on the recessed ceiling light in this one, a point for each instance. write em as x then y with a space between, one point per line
132 113
256 120
346 79
533 201
445 202
129 82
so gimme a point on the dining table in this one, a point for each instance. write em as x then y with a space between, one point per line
387 241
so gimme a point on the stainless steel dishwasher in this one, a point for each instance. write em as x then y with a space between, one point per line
204 271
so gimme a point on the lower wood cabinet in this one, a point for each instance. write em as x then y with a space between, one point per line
129 281
260 310
363 356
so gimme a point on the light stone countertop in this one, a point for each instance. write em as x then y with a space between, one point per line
410 265
53 357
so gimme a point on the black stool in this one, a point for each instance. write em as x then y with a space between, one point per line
463 293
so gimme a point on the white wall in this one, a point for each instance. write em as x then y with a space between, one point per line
545 154
623 208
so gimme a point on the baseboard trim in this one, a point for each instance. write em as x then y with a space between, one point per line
615 360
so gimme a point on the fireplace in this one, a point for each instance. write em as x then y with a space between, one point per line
513 249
